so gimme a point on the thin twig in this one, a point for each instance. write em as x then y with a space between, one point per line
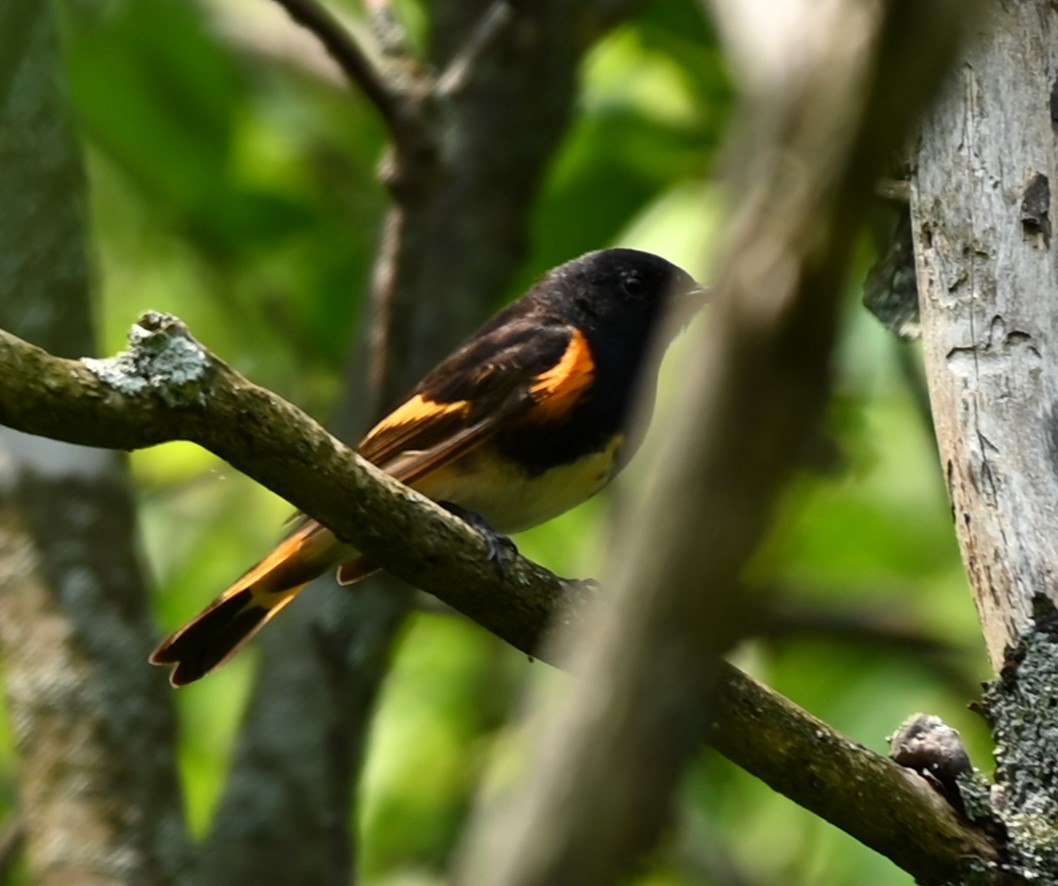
467 62
344 49
877 626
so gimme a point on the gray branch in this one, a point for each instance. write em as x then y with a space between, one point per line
353 61
94 732
167 386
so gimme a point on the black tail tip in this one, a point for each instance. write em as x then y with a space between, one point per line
209 640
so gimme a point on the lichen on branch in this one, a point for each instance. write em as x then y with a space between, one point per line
162 355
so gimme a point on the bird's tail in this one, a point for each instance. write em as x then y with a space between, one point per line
229 622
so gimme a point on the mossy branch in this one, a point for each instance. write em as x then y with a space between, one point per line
167 386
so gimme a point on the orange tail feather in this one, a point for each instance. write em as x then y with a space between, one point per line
229 622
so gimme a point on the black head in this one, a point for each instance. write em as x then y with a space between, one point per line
617 296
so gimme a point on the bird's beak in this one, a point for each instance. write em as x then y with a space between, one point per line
686 305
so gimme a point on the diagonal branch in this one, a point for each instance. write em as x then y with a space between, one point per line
168 387
353 61
828 87
885 806
464 66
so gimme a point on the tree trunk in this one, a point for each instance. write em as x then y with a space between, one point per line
982 202
981 205
94 728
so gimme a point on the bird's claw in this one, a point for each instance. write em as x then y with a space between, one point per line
501 549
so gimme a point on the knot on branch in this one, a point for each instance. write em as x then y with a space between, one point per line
163 357
929 746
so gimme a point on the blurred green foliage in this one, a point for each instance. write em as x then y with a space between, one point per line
235 187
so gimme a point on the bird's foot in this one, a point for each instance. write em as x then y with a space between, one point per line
501 549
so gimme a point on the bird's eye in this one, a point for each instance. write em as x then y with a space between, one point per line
633 285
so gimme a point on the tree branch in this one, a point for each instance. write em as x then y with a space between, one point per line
884 628
167 387
827 87
461 186
464 66
354 62
885 806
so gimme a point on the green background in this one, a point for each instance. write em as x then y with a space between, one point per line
237 190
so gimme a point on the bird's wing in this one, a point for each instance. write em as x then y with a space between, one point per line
499 377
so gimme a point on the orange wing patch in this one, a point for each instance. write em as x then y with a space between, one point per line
418 409
407 424
558 388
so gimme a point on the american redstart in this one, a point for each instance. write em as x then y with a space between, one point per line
527 418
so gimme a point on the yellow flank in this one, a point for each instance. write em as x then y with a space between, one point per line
557 389
507 497
417 409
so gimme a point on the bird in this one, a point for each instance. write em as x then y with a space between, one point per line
527 418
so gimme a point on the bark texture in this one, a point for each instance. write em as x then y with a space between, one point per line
982 213
989 279
94 730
